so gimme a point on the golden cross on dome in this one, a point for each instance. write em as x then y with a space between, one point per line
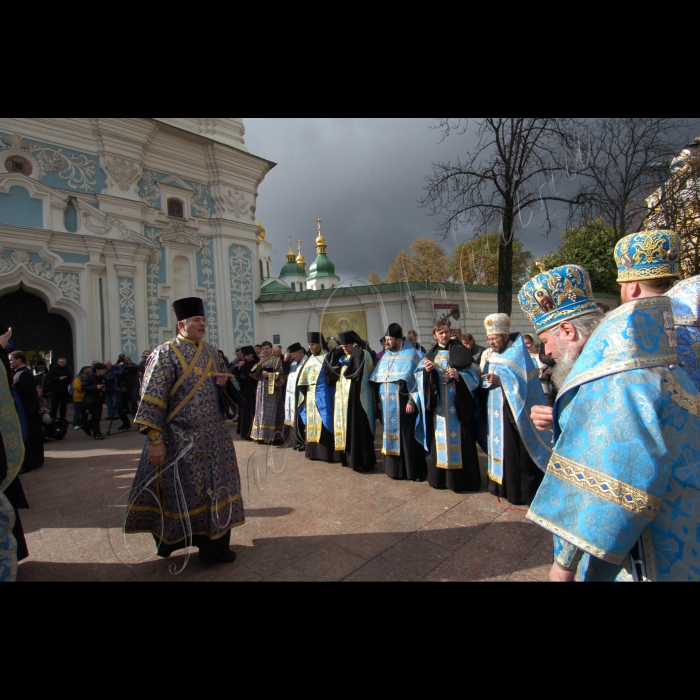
319 224
540 264
299 242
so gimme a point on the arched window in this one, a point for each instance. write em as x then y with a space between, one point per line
323 286
176 209
262 274
17 164
294 286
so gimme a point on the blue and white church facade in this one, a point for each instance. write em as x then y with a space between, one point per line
109 220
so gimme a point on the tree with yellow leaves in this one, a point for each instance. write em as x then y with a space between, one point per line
427 262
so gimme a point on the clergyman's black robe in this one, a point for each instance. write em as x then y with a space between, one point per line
521 476
359 453
249 390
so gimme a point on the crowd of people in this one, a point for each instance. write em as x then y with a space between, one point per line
593 422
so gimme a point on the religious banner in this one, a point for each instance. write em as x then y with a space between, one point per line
343 321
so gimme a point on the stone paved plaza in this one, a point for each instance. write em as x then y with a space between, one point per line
310 522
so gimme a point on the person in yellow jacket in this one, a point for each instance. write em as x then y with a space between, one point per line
78 396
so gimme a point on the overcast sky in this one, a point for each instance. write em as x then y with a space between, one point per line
364 178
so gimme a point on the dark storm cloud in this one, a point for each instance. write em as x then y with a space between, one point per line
364 178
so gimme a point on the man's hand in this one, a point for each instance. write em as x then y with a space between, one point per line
265 375
429 366
5 339
492 379
63 378
452 373
221 379
542 417
558 575
410 409
287 356
156 454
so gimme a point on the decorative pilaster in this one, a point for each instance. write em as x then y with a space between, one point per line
127 309
242 289
207 280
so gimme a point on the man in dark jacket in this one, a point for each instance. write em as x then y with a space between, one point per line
25 388
60 378
95 390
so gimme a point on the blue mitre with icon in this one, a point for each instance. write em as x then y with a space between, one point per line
648 255
557 295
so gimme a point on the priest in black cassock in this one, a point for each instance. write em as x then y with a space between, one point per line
350 368
294 427
404 456
249 390
447 378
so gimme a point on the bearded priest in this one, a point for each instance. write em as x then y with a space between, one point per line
621 492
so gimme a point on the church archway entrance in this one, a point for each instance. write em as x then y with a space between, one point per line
35 331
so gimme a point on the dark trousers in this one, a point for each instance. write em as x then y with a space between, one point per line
92 415
59 399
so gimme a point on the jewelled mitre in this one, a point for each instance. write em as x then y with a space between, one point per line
497 323
558 295
685 302
648 255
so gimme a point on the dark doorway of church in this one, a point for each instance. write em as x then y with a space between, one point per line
35 331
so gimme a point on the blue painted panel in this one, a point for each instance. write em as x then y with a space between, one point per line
20 209
74 257
64 168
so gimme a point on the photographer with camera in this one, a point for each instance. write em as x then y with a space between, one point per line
128 382
116 395
95 389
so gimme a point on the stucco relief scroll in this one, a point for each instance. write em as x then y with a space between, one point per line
123 172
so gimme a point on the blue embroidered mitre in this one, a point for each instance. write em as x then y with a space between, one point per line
648 255
558 295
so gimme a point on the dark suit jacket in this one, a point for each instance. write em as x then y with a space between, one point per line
25 386
56 385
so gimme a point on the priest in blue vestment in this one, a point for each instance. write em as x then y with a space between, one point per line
404 456
685 303
622 490
318 400
187 489
518 452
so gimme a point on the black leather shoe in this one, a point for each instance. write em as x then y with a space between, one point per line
98 437
227 557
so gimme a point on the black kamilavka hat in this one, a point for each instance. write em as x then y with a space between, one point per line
295 348
187 308
312 337
248 350
347 338
460 357
394 331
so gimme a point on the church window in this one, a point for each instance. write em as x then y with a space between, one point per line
17 164
262 273
268 268
176 209
294 286
323 286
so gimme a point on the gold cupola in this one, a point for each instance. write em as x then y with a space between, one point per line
320 241
291 255
301 260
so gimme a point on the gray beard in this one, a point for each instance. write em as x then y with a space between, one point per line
561 369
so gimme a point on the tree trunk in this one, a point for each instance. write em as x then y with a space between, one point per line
505 267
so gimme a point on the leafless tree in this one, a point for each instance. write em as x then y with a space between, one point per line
503 176
629 157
